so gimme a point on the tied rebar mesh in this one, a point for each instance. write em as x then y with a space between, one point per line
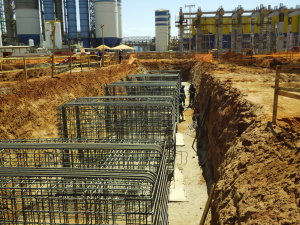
156 77
146 88
81 155
109 119
106 184
79 196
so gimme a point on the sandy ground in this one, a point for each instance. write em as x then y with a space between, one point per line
29 111
188 192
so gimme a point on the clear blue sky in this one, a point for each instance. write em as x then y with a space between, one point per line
139 15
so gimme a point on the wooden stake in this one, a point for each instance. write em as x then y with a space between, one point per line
207 206
71 58
25 69
81 61
275 104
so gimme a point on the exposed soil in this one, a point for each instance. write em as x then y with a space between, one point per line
254 164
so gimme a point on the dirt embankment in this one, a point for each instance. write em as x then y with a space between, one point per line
264 62
28 110
255 164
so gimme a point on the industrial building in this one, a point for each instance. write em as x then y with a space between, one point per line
265 29
33 21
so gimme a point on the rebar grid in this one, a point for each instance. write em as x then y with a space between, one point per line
155 77
145 88
81 155
141 98
165 71
81 196
127 120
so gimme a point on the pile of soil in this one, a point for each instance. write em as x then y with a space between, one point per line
242 60
28 110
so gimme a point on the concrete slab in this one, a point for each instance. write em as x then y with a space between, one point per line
177 193
179 139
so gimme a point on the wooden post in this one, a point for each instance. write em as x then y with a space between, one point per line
89 61
102 63
52 75
81 61
71 57
25 70
204 215
0 64
276 94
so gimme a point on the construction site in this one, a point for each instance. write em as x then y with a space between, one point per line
84 142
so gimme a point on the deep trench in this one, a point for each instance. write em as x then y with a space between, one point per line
224 116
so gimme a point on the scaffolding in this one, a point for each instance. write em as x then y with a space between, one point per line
102 184
106 118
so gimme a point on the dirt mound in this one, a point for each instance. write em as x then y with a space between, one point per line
28 110
238 59
242 60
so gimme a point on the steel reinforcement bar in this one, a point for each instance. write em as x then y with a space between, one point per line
83 196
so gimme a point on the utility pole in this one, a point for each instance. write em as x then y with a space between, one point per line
102 63
190 26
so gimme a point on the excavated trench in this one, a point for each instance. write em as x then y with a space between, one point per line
254 164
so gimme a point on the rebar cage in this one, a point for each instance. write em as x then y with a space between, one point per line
125 120
150 88
81 155
82 196
107 184
155 77
146 88
140 98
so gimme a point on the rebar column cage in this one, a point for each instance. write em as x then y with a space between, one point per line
145 88
144 121
134 98
155 77
78 196
165 71
77 154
